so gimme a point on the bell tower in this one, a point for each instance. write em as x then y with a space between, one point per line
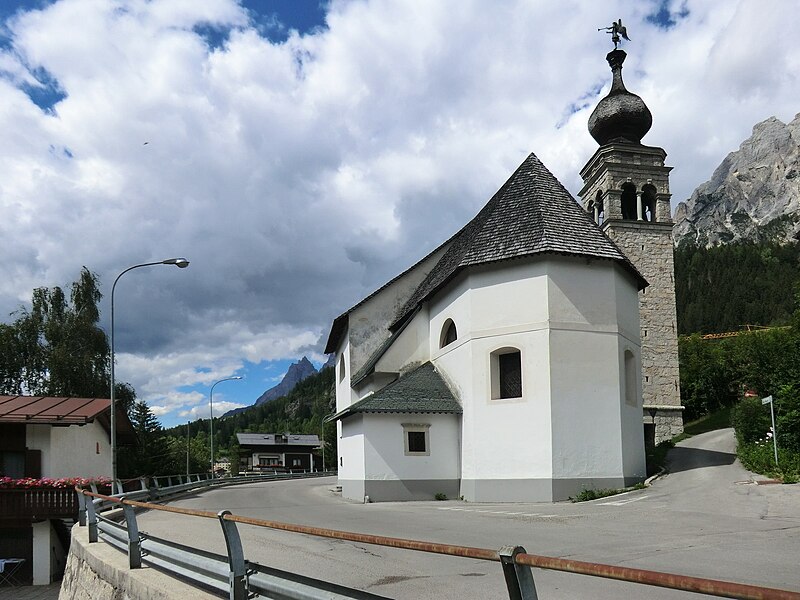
626 190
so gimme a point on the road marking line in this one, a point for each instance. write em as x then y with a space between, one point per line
621 502
497 512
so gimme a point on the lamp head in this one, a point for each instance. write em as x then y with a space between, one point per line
181 263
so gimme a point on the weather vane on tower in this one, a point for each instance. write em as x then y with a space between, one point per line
616 29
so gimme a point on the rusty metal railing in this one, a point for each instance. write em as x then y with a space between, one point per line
515 561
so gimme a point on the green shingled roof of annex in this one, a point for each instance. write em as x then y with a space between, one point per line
419 391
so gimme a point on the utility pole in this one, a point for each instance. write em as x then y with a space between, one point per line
187 449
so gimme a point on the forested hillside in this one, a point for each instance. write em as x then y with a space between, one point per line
301 411
720 289
725 287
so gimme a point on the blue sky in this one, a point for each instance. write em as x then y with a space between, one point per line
301 153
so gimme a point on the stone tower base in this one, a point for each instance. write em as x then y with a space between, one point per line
662 423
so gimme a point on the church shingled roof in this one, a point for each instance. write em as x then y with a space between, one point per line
531 214
419 391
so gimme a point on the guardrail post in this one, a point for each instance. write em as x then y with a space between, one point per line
519 578
238 567
143 483
92 514
134 543
81 509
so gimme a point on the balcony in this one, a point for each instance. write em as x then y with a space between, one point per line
38 503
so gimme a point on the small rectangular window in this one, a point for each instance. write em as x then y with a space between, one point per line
416 439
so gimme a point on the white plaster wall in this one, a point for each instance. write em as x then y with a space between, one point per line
351 448
627 307
587 433
385 447
496 307
41 552
80 451
345 395
508 438
71 451
37 437
569 317
633 452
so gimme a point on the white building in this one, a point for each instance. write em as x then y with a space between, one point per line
504 366
54 438
279 451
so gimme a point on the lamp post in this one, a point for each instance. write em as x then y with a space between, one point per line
181 263
211 414
187 449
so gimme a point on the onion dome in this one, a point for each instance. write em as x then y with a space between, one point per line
621 116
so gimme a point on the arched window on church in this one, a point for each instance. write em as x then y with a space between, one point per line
341 368
649 202
631 389
449 333
628 201
506 373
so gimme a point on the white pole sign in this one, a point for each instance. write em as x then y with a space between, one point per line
768 400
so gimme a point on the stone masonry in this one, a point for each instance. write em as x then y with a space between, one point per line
648 244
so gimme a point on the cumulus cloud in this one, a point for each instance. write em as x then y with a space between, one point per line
298 175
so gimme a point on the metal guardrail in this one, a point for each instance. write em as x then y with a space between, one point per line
240 579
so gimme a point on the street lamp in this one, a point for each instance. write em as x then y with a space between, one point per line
181 263
211 413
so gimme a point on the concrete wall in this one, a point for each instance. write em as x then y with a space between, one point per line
98 571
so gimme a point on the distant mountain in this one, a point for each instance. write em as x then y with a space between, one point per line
297 372
330 363
754 195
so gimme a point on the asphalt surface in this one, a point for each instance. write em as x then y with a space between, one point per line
706 518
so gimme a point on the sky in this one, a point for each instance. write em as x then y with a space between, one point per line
301 153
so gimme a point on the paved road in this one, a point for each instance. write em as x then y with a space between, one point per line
706 518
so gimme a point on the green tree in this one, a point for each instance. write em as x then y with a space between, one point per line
57 347
151 455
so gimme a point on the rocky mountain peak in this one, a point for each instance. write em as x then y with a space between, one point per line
754 194
294 375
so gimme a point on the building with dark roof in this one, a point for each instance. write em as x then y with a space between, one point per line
279 452
507 364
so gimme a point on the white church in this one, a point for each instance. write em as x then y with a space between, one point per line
506 366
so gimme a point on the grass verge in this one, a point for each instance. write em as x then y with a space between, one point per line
592 494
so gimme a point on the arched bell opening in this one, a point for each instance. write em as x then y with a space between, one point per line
649 202
628 201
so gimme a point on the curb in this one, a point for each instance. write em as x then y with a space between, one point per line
652 478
